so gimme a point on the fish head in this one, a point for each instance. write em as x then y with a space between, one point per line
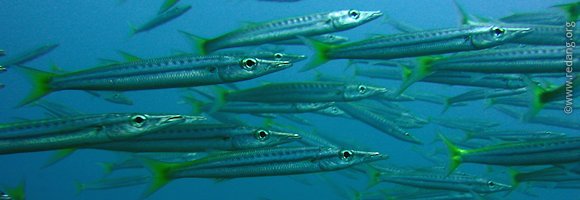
332 39
248 68
334 159
259 138
332 111
489 186
361 91
279 56
138 124
490 36
118 97
313 106
346 19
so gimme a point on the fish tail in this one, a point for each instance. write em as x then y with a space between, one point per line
80 187
374 176
107 167
572 10
198 43
220 99
455 154
514 176
40 84
537 103
160 177
18 192
422 70
446 105
320 56
196 105
58 156
133 30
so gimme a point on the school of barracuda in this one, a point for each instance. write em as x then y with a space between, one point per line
514 64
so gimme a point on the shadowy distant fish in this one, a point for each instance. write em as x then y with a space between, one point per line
161 19
166 6
28 55
2 53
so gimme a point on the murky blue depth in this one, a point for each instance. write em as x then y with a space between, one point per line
87 31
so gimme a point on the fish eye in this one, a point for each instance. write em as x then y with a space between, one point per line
278 55
354 14
262 134
490 183
407 134
138 120
362 88
345 154
249 63
498 31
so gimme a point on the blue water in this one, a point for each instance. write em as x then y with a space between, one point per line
87 30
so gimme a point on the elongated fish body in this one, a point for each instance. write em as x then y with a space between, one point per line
427 43
274 108
166 72
106 128
162 18
279 30
558 121
305 92
180 71
379 122
276 161
480 94
525 102
467 124
515 135
423 43
549 174
202 137
28 55
326 38
539 152
505 81
538 18
439 181
266 55
513 60
112 96
113 183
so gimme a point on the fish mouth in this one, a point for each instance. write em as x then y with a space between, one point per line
292 136
370 15
520 30
174 118
299 58
373 155
282 65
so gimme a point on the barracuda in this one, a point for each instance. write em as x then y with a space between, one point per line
165 72
514 135
423 43
202 137
161 19
549 174
529 60
304 92
377 121
261 162
480 94
438 181
28 55
267 55
79 131
540 152
272 108
326 38
284 29
505 81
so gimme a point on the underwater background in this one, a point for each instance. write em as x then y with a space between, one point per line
88 30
